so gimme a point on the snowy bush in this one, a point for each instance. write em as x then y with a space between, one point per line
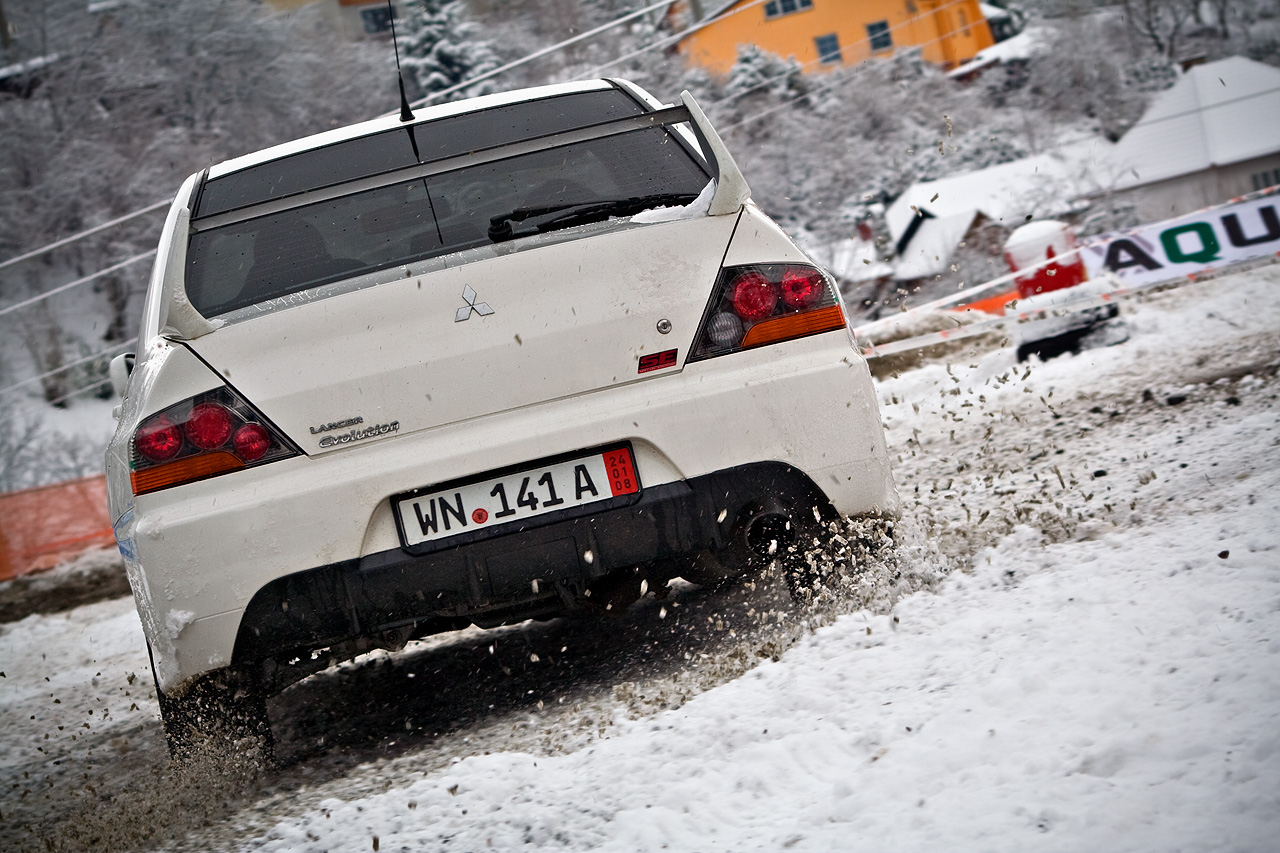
440 48
31 455
758 71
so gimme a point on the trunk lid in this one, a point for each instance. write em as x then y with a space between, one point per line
419 352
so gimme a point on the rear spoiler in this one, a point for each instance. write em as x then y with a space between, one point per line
731 187
177 318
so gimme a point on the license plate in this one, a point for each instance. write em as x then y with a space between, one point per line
534 491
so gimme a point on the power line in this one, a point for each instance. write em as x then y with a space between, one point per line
538 54
59 289
833 80
13 416
15 386
35 253
662 43
677 37
674 38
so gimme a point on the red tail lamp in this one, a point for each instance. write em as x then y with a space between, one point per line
208 426
754 296
252 441
759 304
158 440
802 287
201 437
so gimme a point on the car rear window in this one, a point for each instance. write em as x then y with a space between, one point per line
410 145
253 260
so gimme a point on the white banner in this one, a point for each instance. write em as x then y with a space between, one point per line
1189 244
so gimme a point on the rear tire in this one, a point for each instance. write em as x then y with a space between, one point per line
221 716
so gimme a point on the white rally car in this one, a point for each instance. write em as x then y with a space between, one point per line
408 376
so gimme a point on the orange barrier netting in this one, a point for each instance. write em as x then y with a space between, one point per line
48 525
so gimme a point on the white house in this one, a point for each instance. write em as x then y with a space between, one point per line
932 218
1213 136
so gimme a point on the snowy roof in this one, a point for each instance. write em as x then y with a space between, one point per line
1041 185
1219 113
1030 42
932 245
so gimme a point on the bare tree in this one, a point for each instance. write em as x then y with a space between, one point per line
1160 21
128 102
17 445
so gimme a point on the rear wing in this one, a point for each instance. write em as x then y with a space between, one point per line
731 188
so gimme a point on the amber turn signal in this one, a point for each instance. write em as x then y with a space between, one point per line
794 326
183 471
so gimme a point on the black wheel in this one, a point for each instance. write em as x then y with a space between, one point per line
221 716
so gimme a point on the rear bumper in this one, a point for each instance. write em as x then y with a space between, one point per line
391 596
199 554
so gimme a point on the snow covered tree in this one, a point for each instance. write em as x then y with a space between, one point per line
757 71
1093 72
1160 21
129 98
440 48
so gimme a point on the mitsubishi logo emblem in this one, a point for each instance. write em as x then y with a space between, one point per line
481 308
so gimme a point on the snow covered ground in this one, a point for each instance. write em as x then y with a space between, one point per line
1092 661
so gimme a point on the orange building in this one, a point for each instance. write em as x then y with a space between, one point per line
823 34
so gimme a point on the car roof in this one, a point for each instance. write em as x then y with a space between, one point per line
392 120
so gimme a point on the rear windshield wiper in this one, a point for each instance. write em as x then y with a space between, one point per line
576 213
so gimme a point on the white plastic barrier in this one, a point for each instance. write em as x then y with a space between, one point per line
1189 245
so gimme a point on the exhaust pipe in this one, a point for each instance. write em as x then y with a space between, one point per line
769 531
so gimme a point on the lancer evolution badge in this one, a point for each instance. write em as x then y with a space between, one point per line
481 308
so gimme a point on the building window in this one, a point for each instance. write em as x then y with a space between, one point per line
376 20
964 22
1262 180
828 48
879 36
777 8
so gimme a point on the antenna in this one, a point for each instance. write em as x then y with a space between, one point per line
406 114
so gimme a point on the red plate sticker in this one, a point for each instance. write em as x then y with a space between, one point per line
657 361
622 473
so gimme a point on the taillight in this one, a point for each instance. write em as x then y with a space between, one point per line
158 440
754 296
252 442
207 435
208 426
802 287
764 304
